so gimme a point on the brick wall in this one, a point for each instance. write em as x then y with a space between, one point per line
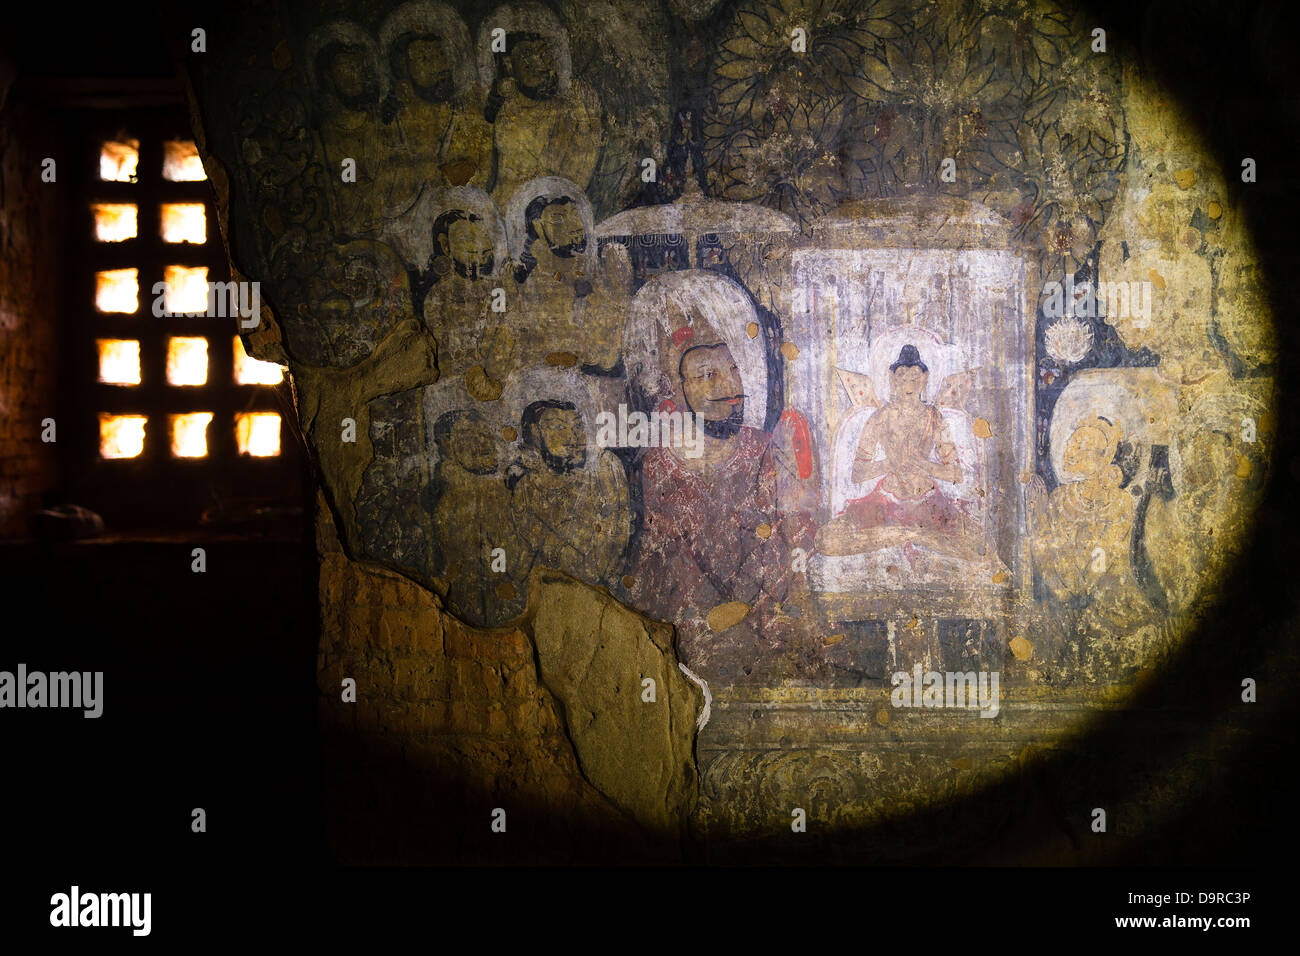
449 723
30 223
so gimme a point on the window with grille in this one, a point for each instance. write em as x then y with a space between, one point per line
170 415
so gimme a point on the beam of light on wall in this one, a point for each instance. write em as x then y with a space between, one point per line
187 361
119 361
251 371
187 289
118 160
184 222
114 222
181 163
121 436
117 290
190 434
258 434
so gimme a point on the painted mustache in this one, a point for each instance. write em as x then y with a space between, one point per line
568 250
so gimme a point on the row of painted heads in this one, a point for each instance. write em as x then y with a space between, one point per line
688 348
554 430
427 46
558 432
470 238
467 235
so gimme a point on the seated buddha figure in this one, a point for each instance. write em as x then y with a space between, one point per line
905 450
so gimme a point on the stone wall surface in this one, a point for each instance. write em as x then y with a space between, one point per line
30 228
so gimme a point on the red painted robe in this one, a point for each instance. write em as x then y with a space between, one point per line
699 548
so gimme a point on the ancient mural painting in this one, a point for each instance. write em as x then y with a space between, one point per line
928 340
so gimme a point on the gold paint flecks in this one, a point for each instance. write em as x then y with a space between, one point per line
1021 648
727 615
481 386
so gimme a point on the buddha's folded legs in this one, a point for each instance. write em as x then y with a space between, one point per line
934 523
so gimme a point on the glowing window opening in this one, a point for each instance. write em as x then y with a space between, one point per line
251 371
190 434
184 222
121 436
187 361
117 290
258 434
119 361
186 289
114 222
118 160
181 162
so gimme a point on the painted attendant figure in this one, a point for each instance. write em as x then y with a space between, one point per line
719 527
